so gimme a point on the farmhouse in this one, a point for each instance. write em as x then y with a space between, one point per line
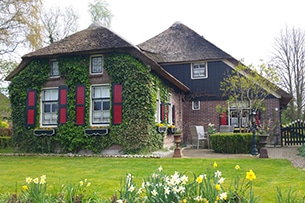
94 89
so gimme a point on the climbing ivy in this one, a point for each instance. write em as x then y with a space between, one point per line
137 133
33 76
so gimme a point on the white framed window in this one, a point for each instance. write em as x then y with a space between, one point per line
54 68
199 70
238 116
96 64
49 107
196 105
100 104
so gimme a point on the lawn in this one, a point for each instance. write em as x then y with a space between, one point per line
105 174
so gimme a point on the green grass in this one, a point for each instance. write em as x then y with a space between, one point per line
105 174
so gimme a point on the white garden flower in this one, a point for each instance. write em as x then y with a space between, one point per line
218 174
154 192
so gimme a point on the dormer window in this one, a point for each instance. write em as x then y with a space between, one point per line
199 70
96 65
54 69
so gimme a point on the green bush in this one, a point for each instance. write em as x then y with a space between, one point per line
232 143
5 142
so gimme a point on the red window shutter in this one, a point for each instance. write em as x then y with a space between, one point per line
223 119
62 104
162 112
31 108
117 105
80 104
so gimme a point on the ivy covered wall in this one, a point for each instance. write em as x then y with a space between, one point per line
136 133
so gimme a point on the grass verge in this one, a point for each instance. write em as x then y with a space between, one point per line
105 174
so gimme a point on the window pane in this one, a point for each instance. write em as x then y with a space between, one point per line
97 105
106 92
54 68
47 108
96 64
54 107
106 105
106 117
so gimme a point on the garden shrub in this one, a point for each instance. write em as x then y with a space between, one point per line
232 143
5 142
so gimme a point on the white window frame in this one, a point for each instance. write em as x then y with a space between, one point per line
103 99
199 70
52 62
238 121
194 106
91 64
52 101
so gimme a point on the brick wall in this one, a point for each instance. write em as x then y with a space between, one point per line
207 114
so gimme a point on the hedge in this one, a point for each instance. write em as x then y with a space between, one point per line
232 143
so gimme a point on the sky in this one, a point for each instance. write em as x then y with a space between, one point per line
245 29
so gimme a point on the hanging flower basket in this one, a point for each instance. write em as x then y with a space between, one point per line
171 130
161 129
98 131
44 132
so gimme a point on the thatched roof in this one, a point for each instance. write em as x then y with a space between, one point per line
95 39
181 44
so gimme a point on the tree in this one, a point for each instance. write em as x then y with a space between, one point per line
100 13
6 66
289 59
19 24
57 24
247 87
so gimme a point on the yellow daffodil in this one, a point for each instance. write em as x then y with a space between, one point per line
223 196
42 181
36 181
88 184
43 177
217 187
250 175
25 187
184 201
199 179
237 167
28 180
215 164
81 183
